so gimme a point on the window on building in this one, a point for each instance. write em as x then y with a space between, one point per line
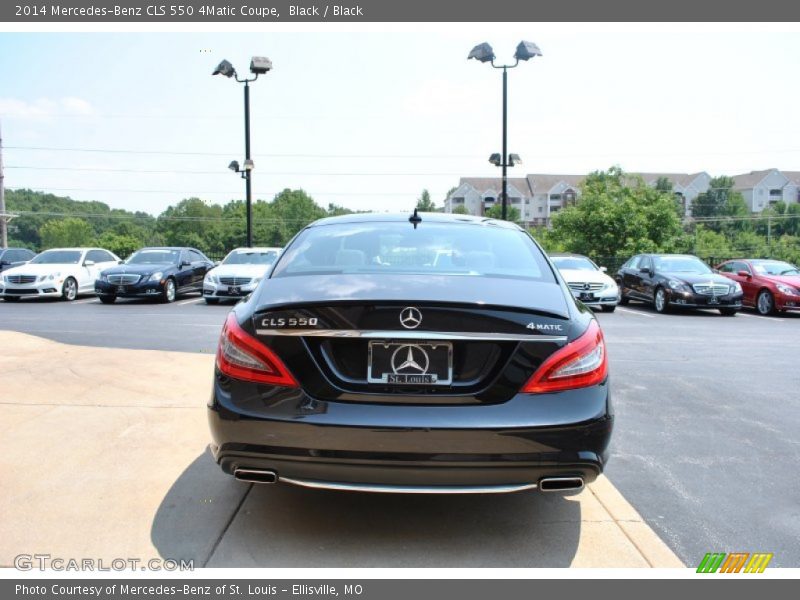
775 196
541 209
457 200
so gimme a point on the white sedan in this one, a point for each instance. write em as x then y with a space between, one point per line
239 274
59 272
588 282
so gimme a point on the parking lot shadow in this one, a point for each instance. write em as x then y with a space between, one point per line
284 526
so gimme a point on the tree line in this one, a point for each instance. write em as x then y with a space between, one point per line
49 221
617 215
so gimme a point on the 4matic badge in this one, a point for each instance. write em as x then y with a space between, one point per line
548 327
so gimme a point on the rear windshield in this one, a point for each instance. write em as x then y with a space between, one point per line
432 248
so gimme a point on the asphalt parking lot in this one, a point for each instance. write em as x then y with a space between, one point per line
707 417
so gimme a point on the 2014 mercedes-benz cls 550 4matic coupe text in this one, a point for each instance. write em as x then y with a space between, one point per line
367 362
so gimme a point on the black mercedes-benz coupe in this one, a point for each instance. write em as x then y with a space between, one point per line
433 353
677 281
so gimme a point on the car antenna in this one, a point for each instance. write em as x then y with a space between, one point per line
415 219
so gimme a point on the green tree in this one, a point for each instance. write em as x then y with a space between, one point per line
496 212
121 245
424 202
460 209
618 215
334 210
60 233
720 201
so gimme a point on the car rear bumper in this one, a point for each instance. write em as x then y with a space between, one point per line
357 445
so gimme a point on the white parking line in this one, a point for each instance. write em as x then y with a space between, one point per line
635 312
86 301
744 314
189 301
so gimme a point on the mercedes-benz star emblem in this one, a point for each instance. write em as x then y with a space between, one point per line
410 357
587 286
410 317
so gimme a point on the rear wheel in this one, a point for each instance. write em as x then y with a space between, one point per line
168 295
728 312
70 290
212 300
108 299
765 303
609 308
661 302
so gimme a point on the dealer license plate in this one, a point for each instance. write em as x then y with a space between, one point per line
410 363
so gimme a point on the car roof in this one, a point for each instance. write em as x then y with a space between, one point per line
426 217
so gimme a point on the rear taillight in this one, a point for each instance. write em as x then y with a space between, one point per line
581 363
241 356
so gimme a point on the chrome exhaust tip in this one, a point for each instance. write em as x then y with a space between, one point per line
561 484
256 475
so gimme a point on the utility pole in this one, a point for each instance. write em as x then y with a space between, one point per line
769 232
3 218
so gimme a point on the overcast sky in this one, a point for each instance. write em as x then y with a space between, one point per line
367 120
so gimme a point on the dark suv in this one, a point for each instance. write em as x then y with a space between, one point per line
677 281
13 257
159 273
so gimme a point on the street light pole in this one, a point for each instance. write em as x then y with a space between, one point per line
484 53
259 65
505 142
248 179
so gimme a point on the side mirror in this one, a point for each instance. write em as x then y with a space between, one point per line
215 264
120 262
645 270
88 263
604 269
743 274
185 263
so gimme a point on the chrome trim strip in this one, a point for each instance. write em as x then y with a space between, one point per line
410 489
414 335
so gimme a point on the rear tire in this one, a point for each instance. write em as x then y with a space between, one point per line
212 300
70 290
728 312
168 294
108 299
660 301
765 303
609 309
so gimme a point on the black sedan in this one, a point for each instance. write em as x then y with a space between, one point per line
367 362
158 273
677 281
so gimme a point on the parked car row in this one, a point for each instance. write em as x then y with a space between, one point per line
675 281
161 273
